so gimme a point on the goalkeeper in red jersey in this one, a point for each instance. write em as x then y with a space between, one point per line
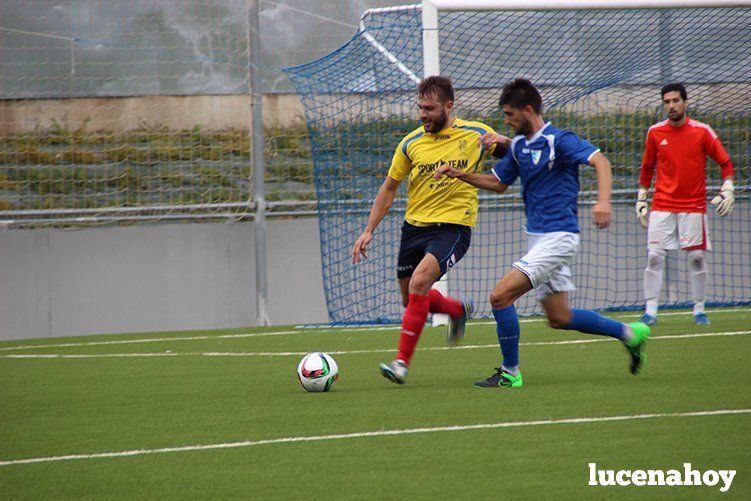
440 214
677 149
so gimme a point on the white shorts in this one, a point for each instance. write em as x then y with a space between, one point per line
678 230
547 262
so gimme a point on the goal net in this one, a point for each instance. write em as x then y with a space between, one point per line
599 71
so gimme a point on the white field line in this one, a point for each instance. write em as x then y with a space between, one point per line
368 434
344 352
338 330
635 314
300 330
539 318
148 340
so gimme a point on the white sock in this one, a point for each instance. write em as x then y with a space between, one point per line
514 371
698 277
628 334
653 280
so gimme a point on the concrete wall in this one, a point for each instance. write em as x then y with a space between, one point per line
201 276
154 278
218 112
125 113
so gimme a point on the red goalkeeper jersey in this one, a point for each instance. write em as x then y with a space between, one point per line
680 156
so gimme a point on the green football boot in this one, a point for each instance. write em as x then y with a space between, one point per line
636 346
501 379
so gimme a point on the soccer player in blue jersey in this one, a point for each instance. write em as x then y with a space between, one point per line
547 162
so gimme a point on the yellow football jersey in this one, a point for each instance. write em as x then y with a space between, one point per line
420 153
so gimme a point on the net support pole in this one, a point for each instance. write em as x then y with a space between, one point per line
430 55
379 46
666 71
258 168
432 66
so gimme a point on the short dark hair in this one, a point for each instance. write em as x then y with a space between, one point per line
519 93
674 87
438 85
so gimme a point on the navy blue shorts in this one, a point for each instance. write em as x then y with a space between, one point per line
447 242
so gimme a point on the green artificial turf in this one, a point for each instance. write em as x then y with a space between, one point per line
193 393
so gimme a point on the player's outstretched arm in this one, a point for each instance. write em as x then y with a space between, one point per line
602 211
381 205
484 181
501 142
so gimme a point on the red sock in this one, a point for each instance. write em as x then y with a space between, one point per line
442 304
412 324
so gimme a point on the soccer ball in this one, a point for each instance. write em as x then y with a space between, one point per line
317 372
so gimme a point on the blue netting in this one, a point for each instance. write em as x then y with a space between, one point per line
599 72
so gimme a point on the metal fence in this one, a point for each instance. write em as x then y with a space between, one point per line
132 111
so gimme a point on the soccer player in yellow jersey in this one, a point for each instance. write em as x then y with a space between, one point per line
440 214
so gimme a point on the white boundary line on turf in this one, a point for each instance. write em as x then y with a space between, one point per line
621 314
344 352
368 434
538 318
299 331
149 340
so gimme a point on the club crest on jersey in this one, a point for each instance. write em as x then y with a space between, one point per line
535 155
462 145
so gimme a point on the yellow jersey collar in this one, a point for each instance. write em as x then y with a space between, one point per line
454 123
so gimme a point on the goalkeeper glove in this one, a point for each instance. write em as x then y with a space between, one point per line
642 210
725 200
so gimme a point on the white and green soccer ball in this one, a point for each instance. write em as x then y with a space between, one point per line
317 372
